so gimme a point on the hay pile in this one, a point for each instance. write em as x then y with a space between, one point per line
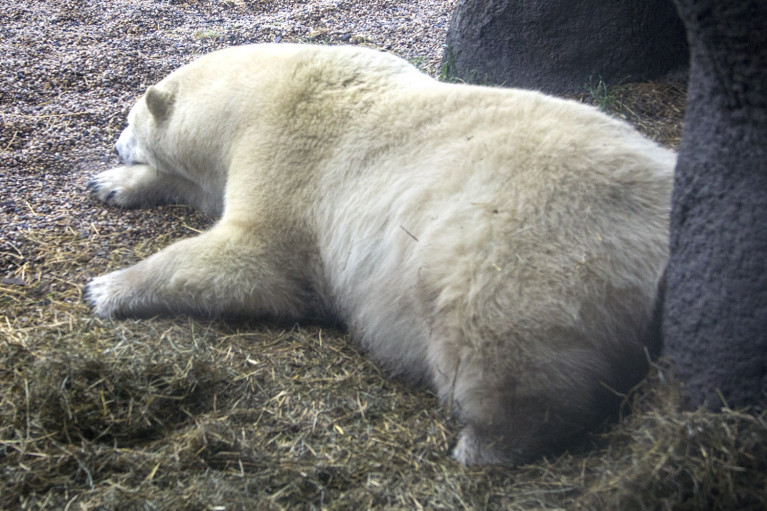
187 414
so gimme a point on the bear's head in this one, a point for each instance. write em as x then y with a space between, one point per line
150 112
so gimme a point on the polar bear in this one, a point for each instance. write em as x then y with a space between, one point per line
500 245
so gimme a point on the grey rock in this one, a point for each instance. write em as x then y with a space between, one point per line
715 308
559 46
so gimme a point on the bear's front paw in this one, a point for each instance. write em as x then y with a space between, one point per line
106 295
111 186
121 186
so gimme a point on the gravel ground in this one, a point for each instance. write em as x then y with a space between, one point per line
71 69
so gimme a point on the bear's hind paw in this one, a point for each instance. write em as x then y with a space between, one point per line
474 448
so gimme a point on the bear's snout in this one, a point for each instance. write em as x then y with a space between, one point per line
127 148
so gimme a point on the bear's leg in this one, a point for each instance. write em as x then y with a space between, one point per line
224 271
499 429
513 412
141 185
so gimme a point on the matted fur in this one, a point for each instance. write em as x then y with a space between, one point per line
501 245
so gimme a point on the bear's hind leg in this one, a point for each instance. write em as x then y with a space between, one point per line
137 186
507 431
511 414
226 271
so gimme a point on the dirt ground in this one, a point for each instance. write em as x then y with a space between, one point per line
190 414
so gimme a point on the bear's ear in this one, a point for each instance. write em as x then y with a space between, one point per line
160 102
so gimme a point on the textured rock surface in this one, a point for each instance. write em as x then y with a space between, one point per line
715 313
560 45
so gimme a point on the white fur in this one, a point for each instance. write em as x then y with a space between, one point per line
502 245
